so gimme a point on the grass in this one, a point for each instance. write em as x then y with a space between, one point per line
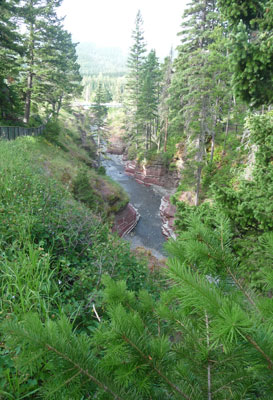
53 248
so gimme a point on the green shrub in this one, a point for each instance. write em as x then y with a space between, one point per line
101 170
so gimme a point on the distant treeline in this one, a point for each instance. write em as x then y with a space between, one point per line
94 60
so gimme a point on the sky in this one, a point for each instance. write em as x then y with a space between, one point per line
110 22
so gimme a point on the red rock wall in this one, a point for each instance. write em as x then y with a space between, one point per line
167 212
126 220
152 174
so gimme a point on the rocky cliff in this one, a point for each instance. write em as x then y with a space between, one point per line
154 173
126 220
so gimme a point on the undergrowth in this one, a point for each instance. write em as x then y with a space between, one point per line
53 250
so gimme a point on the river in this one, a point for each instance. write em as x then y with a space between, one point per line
146 200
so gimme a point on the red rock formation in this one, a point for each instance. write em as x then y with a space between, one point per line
116 145
152 174
126 220
188 198
167 212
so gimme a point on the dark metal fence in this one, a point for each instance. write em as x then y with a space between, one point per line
12 132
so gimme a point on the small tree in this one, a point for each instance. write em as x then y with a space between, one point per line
100 113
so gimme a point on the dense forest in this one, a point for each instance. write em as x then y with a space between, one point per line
82 316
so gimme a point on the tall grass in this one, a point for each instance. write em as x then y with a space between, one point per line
26 282
53 252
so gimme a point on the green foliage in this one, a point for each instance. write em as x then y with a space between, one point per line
53 251
206 336
101 170
83 191
249 206
251 48
52 130
39 72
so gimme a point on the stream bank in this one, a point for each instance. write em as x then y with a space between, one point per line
147 200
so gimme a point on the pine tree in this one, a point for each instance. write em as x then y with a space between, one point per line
59 79
38 17
198 89
100 113
250 23
149 98
207 337
135 77
10 50
166 72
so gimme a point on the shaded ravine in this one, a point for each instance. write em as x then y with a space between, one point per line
147 232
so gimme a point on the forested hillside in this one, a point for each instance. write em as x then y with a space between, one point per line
39 70
96 60
82 316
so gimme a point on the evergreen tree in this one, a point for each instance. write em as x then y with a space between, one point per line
100 113
208 336
39 16
250 22
199 87
149 97
59 79
10 49
135 77
166 72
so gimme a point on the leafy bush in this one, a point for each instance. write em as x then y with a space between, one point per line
84 192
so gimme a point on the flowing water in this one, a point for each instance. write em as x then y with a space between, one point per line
146 200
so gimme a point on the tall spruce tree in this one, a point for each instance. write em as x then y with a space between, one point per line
135 78
38 16
10 50
166 73
198 91
250 23
100 113
149 98
59 79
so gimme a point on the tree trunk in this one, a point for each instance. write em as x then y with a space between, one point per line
212 146
28 98
59 105
30 76
213 132
98 152
166 134
200 154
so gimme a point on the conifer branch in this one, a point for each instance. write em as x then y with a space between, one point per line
227 385
149 360
84 372
241 288
257 347
67 381
209 365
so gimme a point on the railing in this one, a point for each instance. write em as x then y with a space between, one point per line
12 132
